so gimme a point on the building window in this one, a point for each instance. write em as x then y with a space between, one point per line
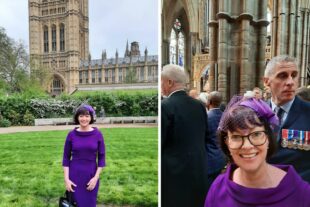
113 75
81 76
54 38
44 12
120 75
141 74
156 73
93 76
99 75
45 38
149 73
176 48
86 76
57 86
106 76
62 37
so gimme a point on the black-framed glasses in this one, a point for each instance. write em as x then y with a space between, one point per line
257 138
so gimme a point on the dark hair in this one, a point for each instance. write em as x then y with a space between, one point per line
83 110
242 117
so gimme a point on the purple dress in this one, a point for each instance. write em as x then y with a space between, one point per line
80 155
292 191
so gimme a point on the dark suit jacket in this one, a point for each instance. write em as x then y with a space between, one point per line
183 137
298 118
216 158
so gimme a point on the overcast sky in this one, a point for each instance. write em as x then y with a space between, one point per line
111 23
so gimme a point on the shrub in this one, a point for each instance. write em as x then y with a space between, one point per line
4 122
28 119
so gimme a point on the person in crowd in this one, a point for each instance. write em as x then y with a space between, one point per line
203 97
249 94
247 139
215 157
84 145
281 76
303 93
193 93
184 132
258 93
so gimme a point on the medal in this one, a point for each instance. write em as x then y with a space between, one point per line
284 141
301 139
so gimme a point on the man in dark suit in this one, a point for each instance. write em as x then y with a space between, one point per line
215 156
281 76
183 137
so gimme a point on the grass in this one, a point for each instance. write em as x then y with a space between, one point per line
31 173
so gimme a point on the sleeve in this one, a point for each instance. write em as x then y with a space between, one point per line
67 152
165 125
101 151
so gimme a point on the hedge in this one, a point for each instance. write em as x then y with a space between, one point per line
18 110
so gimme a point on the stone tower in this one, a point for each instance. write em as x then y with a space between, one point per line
58 39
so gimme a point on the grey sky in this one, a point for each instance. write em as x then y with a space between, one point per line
111 23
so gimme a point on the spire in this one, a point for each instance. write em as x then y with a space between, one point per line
116 57
89 57
127 50
145 54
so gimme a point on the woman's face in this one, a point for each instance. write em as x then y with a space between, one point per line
249 157
84 120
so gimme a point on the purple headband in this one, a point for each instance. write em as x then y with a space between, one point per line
261 109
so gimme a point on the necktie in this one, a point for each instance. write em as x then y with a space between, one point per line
280 113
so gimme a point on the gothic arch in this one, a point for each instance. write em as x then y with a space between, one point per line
57 84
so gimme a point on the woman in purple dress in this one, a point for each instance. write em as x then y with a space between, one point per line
83 146
247 139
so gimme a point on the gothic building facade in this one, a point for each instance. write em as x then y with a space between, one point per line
226 44
59 41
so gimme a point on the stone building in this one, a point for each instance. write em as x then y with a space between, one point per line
59 41
226 44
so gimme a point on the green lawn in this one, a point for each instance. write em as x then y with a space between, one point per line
31 173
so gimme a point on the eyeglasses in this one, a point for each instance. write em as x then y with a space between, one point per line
257 138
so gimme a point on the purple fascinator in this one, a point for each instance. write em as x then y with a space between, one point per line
236 116
89 108
262 110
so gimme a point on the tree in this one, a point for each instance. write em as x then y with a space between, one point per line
14 62
15 68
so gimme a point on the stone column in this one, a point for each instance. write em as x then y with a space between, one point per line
274 30
213 27
223 49
292 32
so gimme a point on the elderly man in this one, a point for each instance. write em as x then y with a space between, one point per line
281 76
183 137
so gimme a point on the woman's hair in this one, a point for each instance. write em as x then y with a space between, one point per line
84 110
246 114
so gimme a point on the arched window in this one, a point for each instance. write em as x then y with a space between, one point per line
54 38
177 40
57 86
45 38
62 37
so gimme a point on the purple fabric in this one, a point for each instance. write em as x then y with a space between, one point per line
261 109
292 191
80 155
88 108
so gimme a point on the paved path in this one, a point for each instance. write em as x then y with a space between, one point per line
15 129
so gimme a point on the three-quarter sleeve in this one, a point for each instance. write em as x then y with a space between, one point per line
67 152
101 151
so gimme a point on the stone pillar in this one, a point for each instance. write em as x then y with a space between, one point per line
222 57
274 29
213 33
